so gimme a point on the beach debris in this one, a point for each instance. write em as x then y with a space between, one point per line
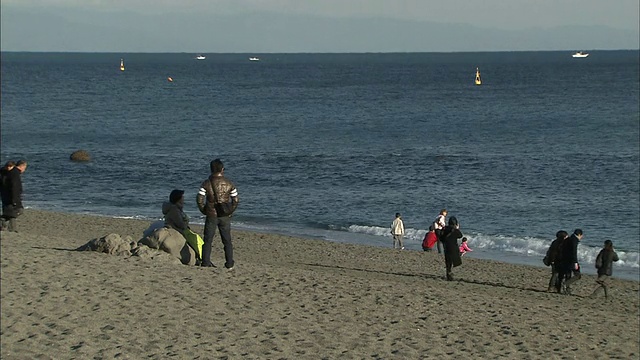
80 156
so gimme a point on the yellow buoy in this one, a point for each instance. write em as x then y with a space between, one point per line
478 80
121 65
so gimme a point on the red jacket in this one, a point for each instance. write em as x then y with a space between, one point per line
429 240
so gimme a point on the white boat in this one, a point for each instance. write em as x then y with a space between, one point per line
254 59
201 57
580 54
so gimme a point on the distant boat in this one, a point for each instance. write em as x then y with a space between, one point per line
580 54
121 65
478 80
201 57
254 59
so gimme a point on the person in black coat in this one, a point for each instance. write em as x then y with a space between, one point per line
12 196
450 235
569 260
552 258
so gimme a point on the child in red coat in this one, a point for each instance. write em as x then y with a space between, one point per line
429 240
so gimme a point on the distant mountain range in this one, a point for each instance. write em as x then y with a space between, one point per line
35 29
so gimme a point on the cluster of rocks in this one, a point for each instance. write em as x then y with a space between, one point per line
161 244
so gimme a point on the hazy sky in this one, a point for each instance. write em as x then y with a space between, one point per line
501 14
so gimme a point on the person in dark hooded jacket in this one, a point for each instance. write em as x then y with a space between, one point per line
450 235
553 259
604 264
174 217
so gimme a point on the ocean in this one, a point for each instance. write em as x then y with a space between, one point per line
331 146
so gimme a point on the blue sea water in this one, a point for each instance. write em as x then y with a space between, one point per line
331 146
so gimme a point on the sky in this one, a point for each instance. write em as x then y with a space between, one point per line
318 25
501 14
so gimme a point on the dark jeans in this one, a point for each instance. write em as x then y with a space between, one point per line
555 282
570 276
224 226
9 215
448 262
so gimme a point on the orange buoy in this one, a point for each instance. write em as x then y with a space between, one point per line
170 79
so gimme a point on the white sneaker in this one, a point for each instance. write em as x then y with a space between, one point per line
402 248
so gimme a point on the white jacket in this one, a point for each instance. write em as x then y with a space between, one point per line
397 227
440 223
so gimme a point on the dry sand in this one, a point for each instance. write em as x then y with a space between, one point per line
289 298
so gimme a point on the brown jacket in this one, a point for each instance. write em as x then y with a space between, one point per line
225 190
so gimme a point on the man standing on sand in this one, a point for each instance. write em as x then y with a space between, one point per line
397 230
217 199
12 196
569 260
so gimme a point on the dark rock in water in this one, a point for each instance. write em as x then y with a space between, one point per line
80 155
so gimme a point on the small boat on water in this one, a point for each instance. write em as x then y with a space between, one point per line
254 59
580 54
200 57
121 65
478 79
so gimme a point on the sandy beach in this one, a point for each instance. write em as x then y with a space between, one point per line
290 298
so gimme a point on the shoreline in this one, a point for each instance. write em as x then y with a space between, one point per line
289 298
364 239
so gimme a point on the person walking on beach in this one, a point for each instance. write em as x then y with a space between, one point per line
552 258
569 261
438 225
4 178
11 194
464 247
397 230
604 264
450 235
217 199
430 240
4 171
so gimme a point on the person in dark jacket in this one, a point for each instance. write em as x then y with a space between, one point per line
174 216
604 264
217 199
11 193
569 260
553 259
4 171
450 235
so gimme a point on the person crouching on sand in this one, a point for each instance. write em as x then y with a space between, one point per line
464 248
429 240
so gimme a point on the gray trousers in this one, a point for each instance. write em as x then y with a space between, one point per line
397 239
603 284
